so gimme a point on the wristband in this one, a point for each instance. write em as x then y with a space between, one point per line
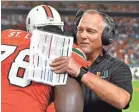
83 71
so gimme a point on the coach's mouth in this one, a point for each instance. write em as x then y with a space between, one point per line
84 44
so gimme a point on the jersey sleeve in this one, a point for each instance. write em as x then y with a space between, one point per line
79 55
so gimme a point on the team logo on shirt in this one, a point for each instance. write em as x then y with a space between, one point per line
105 74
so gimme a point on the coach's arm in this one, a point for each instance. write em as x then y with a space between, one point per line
117 94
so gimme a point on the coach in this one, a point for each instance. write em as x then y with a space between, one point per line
107 83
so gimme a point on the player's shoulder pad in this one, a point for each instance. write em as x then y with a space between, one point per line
13 32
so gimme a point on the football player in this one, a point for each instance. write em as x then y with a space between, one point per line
21 94
18 93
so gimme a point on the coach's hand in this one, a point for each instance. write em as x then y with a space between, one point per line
65 64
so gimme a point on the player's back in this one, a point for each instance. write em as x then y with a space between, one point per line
18 93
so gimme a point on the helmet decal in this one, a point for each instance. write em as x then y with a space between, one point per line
48 11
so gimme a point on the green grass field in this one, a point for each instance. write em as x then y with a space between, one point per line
134 105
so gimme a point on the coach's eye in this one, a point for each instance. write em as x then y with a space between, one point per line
80 30
91 31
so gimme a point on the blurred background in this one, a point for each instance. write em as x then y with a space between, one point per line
124 13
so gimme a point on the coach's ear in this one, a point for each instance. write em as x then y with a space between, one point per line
69 97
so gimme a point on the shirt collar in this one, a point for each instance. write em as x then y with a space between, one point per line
100 57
